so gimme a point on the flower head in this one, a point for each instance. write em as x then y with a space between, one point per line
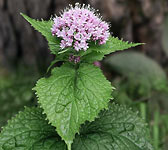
78 26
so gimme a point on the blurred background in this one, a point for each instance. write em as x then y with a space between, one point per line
139 74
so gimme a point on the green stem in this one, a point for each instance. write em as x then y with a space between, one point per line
156 130
69 145
143 111
63 51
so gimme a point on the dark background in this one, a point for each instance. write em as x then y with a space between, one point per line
133 20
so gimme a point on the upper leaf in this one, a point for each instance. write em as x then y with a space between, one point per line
71 96
92 57
30 131
44 27
117 129
113 44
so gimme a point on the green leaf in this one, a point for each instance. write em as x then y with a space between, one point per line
118 128
44 27
30 131
71 96
113 44
97 52
91 57
134 64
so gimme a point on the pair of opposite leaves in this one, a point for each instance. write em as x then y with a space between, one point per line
116 129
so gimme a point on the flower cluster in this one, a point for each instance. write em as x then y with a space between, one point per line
78 26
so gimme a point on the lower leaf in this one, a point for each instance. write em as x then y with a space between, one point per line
117 129
30 131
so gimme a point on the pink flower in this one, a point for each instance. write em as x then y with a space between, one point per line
78 26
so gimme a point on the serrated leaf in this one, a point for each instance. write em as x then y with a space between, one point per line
118 128
71 96
113 44
91 57
30 131
44 27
